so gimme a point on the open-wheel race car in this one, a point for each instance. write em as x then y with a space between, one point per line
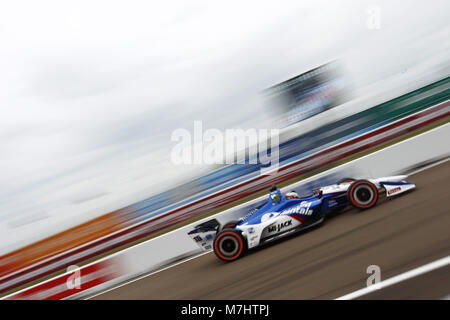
283 215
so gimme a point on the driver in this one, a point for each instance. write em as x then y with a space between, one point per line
275 194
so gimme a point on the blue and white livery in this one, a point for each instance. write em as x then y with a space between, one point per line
283 215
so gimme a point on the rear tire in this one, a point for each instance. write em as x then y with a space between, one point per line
229 245
362 194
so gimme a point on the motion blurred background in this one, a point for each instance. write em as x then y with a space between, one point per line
92 90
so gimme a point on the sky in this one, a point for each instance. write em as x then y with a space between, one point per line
92 90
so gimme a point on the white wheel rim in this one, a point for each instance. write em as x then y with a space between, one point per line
236 246
369 189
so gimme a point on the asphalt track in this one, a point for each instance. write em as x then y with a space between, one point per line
397 235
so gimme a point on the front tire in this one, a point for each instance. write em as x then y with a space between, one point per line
362 194
229 245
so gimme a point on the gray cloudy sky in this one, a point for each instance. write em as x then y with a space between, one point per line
91 90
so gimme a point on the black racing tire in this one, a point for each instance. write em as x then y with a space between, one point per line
346 180
229 225
229 245
362 194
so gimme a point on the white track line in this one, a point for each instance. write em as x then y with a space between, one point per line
401 277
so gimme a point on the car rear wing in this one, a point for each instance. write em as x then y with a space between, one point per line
204 234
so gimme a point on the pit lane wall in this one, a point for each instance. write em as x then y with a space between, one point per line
176 246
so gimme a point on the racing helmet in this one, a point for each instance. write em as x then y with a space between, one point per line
292 195
275 194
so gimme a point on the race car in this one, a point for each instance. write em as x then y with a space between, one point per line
283 215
